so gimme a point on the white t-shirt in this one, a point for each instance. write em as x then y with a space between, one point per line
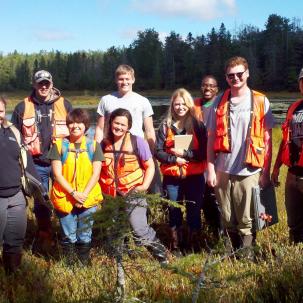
234 162
138 106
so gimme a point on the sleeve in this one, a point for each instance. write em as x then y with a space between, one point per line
53 153
68 106
269 121
144 152
147 108
101 107
160 152
98 154
17 115
31 167
199 154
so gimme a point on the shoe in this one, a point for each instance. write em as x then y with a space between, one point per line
83 250
11 262
158 251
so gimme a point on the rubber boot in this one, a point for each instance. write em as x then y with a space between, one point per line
11 262
247 247
194 240
232 242
68 253
175 244
43 243
83 250
158 251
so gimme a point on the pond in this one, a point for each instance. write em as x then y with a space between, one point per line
160 107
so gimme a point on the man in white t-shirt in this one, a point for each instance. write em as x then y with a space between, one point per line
139 107
239 151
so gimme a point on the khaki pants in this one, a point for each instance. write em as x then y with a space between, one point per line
234 194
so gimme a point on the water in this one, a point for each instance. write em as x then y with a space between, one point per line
160 106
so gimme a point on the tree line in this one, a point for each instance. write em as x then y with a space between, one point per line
275 56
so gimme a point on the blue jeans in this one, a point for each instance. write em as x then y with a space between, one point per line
41 211
77 226
190 189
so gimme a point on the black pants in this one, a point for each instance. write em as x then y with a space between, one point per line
13 222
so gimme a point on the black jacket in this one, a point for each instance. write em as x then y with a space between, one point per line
10 172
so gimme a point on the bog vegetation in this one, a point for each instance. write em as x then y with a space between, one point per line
208 276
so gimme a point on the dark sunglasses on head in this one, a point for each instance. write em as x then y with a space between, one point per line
233 75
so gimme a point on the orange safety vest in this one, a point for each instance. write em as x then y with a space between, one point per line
77 170
198 113
30 131
181 171
286 138
255 147
121 170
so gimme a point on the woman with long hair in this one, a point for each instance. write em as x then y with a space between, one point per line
182 167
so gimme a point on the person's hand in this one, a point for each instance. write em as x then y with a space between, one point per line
275 177
140 189
80 197
264 180
181 161
211 178
177 152
78 205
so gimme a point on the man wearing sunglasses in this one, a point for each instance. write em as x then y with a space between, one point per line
239 151
41 118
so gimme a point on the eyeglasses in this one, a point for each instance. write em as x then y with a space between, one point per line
232 76
212 86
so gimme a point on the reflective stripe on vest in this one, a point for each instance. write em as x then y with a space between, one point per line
30 131
121 170
286 138
77 171
190 168
255 147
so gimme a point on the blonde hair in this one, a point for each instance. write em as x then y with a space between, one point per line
123 69
171 115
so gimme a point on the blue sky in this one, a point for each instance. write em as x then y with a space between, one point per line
71 25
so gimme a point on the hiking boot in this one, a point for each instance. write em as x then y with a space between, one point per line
83 250
158 251
11 262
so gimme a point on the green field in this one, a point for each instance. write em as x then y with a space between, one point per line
275 277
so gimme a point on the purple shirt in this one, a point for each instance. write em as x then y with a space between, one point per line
144 152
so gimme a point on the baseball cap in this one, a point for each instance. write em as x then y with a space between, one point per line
42 75
301 74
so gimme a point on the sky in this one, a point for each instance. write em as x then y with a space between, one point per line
70 25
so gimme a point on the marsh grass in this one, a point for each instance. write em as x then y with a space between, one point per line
277 276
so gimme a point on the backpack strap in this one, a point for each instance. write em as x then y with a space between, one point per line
64 150
90 148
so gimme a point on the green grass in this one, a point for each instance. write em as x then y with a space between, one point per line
276 277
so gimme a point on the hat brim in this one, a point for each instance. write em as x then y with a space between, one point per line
43 79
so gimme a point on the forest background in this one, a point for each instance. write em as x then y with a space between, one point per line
275 56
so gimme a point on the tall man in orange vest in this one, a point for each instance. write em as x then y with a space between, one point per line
41 118
211 209
291 154
239 151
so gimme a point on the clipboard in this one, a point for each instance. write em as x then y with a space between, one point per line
183 141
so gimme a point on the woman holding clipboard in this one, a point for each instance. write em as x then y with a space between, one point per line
183 161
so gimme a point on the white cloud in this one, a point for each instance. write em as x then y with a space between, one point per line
53 35
194 9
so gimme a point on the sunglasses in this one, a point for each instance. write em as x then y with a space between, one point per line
212 86
232 76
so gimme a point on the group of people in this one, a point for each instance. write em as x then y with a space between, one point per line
229 153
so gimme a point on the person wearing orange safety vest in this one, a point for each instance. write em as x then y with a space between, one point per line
183 168
291 154
40 118
76 164
129 168
239 151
